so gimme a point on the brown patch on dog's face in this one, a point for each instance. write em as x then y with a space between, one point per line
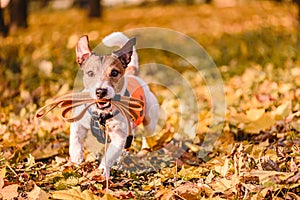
103 72
103 75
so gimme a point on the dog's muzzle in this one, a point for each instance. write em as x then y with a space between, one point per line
101 93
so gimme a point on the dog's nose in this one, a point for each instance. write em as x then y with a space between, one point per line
101 92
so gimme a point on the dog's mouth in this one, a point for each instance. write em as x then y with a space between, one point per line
103 105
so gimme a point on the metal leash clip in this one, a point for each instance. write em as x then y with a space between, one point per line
98 126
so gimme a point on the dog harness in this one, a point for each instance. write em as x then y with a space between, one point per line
135 90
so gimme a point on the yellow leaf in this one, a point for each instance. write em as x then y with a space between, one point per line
2 172
209 177
265 121
281 111
30 162
191 172
239 118
154 183
75 194
108 196
255 114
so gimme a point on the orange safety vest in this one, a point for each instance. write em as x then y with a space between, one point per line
135 90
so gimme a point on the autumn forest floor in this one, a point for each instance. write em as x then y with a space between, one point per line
255 154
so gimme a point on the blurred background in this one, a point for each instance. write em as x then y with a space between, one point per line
38 37
254 43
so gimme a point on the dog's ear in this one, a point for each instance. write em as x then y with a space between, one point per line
124 53
83 50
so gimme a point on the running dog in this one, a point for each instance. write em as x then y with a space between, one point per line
104 76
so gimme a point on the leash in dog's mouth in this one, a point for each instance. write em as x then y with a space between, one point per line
127 106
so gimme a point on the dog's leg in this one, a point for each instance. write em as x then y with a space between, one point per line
78 131
77 134
117 132
151 117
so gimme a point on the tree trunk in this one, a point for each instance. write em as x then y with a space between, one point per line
94 8
298 6
44 3
3 27
18 13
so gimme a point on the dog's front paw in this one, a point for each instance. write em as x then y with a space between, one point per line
76 157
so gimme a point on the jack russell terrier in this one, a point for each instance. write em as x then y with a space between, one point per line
104 76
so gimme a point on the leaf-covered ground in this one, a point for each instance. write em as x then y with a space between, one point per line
257 156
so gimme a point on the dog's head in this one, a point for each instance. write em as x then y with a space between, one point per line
103 74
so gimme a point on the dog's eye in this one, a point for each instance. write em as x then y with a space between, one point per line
90 73
114 73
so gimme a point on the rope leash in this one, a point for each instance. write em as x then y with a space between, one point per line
127 106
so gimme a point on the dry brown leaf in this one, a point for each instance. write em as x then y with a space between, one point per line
108 196
165 194
75 194
38 194
223 184
264 175
188 191
1 183
223 170
10 191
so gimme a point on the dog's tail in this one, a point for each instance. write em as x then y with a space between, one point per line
119 39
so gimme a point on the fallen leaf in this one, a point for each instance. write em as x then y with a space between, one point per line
205 188
188 191
281 111
10 191
108 196
190 173
223 170
2 172
262 123
210 177
223 184
296 125
264 175
1 183
75 194
155 183
38 194
165 194
255 114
